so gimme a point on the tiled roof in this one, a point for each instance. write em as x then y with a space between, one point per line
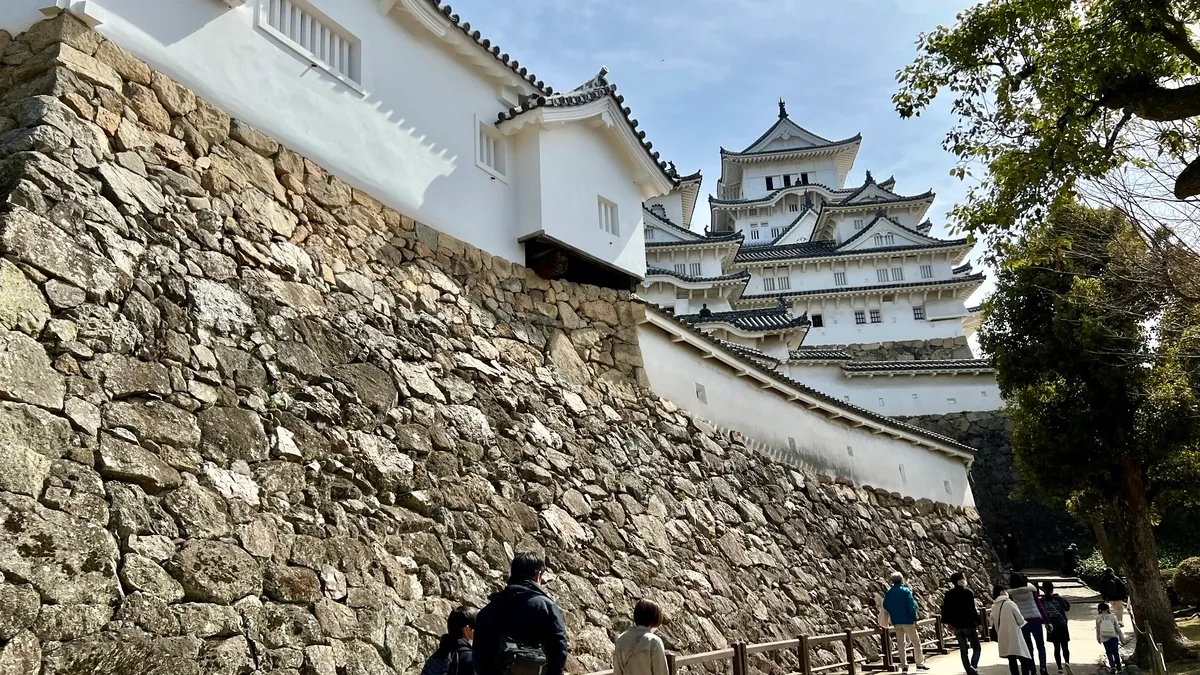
736 276
882 421
826 248
706 239
770 196
877 287
796 221
975 309
668 222
756 320
870 180
965 267
813 354
885 366
691 178
783 151
494 49
593 90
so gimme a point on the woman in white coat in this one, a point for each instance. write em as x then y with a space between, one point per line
638 650
1007 621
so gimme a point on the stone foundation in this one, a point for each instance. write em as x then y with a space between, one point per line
1042 531
254 421
918 350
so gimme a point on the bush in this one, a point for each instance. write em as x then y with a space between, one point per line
1187 581
1091 567
1168 579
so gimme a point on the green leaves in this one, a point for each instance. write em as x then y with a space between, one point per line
1046 92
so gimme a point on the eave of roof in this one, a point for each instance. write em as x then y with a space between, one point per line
831 145
947 366
794 252
819 355
812 398
845 290
706 240
662 272
591 91
772 196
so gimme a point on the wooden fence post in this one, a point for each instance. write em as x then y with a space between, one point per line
852 666
885 646
941 634
805 654
743 658
670 663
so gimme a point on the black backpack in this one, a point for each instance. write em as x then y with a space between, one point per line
442 664
519 659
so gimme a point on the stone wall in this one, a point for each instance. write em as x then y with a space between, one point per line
1042 531
919 350
256 422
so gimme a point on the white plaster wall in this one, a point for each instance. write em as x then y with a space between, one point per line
821 171
844 222
897 323
903 395
710 264
793 434
581 163
672 203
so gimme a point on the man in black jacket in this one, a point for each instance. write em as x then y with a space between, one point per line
521 631
1114 592
960 614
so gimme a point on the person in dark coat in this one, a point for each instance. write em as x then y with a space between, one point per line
1058 624
961 615
454 654
521 627
1115 593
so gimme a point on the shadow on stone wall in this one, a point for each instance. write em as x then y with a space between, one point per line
1042 530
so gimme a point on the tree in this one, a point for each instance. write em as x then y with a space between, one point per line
1102 421
1052 92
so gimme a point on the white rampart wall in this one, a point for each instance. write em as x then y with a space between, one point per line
791 433
903 395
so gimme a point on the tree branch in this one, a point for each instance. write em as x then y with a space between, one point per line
1153 102
1175 33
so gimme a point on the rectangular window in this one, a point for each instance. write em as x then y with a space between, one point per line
694 269
608 217
947 484
897 274
818 321
839 278
876 317
888 239
493 151
682 294
881 403
753 214
952 401
858 223
919 313
754 234
650 234
787 180
769 283
776 231
305 30
926 271
680 268
860 317
793 208
770 183
701 395
881 275
804 179
783 283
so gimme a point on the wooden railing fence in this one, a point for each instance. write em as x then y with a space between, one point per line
805 644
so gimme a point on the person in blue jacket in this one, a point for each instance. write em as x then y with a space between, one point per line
901 608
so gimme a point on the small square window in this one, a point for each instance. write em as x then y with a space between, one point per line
787 180
897 274
881 403
304 29
983 394
609 221
694 269
914 397
881 275
650 234
839 278
792 443
850 450
680 268
783 283
769 283
776 231
952 401
860 317
754 234
919 313
793 208
947 484
804 179
926 271
701 394
770 183
876 317
858 223
818 321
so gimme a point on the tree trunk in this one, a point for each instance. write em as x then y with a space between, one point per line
1106 544
1135 533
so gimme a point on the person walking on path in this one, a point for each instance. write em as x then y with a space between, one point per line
1007 621
1109 634
521 630
1115 593
638 650
960 614
1025 595
1058 627
454 654
901 608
